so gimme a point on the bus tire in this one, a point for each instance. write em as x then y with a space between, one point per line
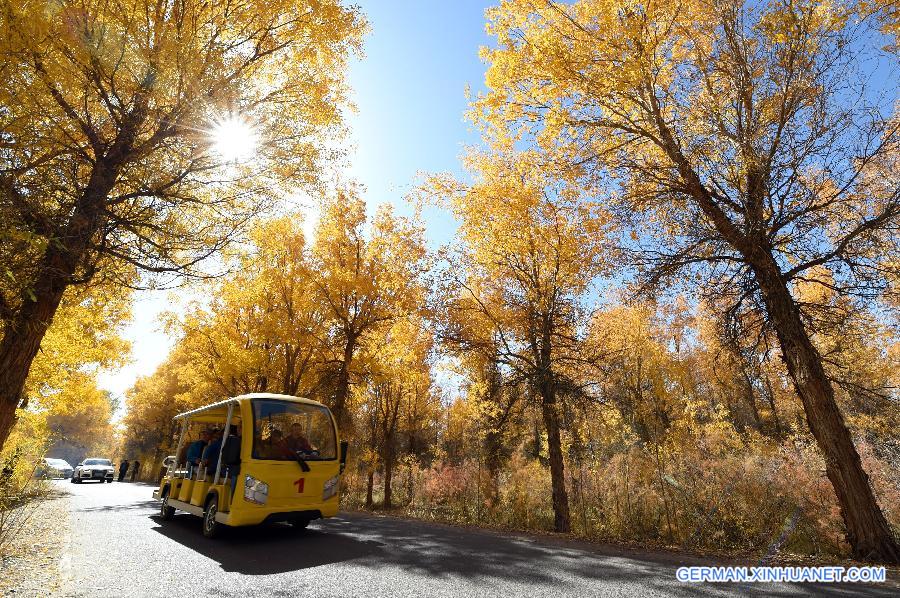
165 511
299 524
211 527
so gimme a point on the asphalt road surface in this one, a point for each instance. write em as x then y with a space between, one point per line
120 548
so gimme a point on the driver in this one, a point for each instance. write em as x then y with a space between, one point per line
296 441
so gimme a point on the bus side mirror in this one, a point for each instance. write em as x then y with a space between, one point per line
344 446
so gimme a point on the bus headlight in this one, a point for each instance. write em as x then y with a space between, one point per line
255 491
330 488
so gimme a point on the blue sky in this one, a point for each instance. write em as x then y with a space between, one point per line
409 90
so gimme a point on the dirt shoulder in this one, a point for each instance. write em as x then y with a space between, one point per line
35 564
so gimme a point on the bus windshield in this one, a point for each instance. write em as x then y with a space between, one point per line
284 430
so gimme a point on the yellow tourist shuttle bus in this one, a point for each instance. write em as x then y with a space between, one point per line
253 459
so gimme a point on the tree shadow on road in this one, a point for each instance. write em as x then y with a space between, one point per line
486 557
480 557
267 549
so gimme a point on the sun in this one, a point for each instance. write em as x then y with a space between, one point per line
234 139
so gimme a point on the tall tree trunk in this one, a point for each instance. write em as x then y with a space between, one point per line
342 384
535 437
23 336
867 529
493 444
554 448
410 488
388 476
20 345
750 397
61 260
770 396
370 486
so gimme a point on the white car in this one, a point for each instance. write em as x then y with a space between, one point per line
93 469
56 468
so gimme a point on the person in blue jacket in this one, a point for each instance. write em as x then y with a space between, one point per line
210 456
195 451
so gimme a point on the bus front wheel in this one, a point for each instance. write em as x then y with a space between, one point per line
211 527
165 511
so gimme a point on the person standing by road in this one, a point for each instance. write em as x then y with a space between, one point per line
135 468
123 469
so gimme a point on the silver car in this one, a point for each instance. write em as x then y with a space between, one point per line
55 468
93 469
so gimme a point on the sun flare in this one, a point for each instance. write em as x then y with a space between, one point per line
234 139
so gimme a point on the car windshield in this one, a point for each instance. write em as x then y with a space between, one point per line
284 431
98 462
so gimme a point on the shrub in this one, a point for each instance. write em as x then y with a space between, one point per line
19 488
719 490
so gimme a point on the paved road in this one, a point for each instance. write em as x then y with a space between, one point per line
119 548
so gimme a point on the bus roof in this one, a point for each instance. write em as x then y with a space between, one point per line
254 395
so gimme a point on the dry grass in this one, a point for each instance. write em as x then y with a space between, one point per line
748 497
32 561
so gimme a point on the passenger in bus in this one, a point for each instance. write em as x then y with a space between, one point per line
231 453
210 455
274 446
195 451
181 457
231 456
